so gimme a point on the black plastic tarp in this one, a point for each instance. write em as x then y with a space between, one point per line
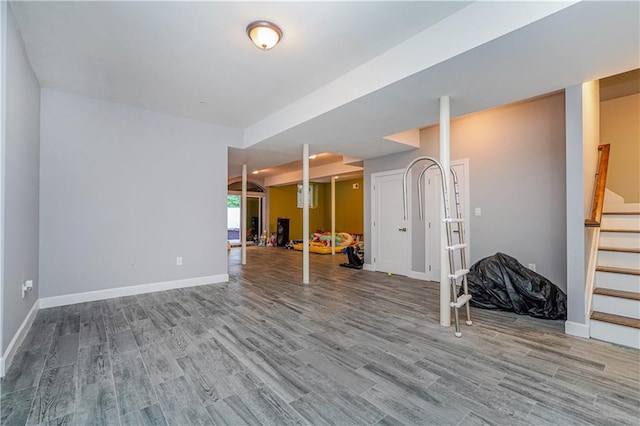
501 282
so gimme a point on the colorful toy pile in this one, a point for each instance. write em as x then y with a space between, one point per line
321 242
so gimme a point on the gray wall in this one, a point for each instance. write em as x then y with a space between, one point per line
21 182
124 192
517 176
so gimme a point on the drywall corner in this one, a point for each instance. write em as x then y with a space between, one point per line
18 338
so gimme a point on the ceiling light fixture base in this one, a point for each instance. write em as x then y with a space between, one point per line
264 34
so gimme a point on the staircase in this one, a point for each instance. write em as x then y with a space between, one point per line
616 297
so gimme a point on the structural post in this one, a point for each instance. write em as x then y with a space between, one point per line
305 213
581 107
243 216
445 160
333 215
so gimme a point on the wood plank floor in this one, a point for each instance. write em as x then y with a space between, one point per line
352 348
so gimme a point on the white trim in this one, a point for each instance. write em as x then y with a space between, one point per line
615 333
615 203
410 225
577 329
90 296
369 267
418 275
612 199
467 204
592 241
18 338
250 194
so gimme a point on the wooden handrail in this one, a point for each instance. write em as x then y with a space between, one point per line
600 185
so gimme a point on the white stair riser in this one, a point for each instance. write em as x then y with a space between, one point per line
621 221
614 333
620 239
616 306
613 281
619 259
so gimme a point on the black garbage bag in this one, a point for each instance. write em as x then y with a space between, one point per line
501 282
356 258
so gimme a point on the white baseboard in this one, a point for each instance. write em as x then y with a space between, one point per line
90 296
577 329
369 267
418 275
18 338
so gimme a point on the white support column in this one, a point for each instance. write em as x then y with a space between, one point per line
445 160
333 215
305 213
243 215
265 209
581 107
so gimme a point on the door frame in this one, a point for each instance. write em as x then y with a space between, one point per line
373 210
263 221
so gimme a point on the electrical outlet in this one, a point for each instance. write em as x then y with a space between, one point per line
478 211
179 260
27 286
532 266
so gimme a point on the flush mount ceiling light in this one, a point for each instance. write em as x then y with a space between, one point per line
264 34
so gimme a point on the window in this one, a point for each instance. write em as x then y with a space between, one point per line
313 196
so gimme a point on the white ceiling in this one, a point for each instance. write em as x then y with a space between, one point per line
379 68
170 56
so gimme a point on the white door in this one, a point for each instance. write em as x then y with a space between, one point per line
433 214
390 234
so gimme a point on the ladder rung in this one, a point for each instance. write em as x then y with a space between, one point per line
456 247
462 300
452 220
458 274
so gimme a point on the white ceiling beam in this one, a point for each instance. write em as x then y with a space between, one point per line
319 172
438 43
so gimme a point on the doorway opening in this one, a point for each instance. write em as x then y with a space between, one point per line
254 218
255 212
